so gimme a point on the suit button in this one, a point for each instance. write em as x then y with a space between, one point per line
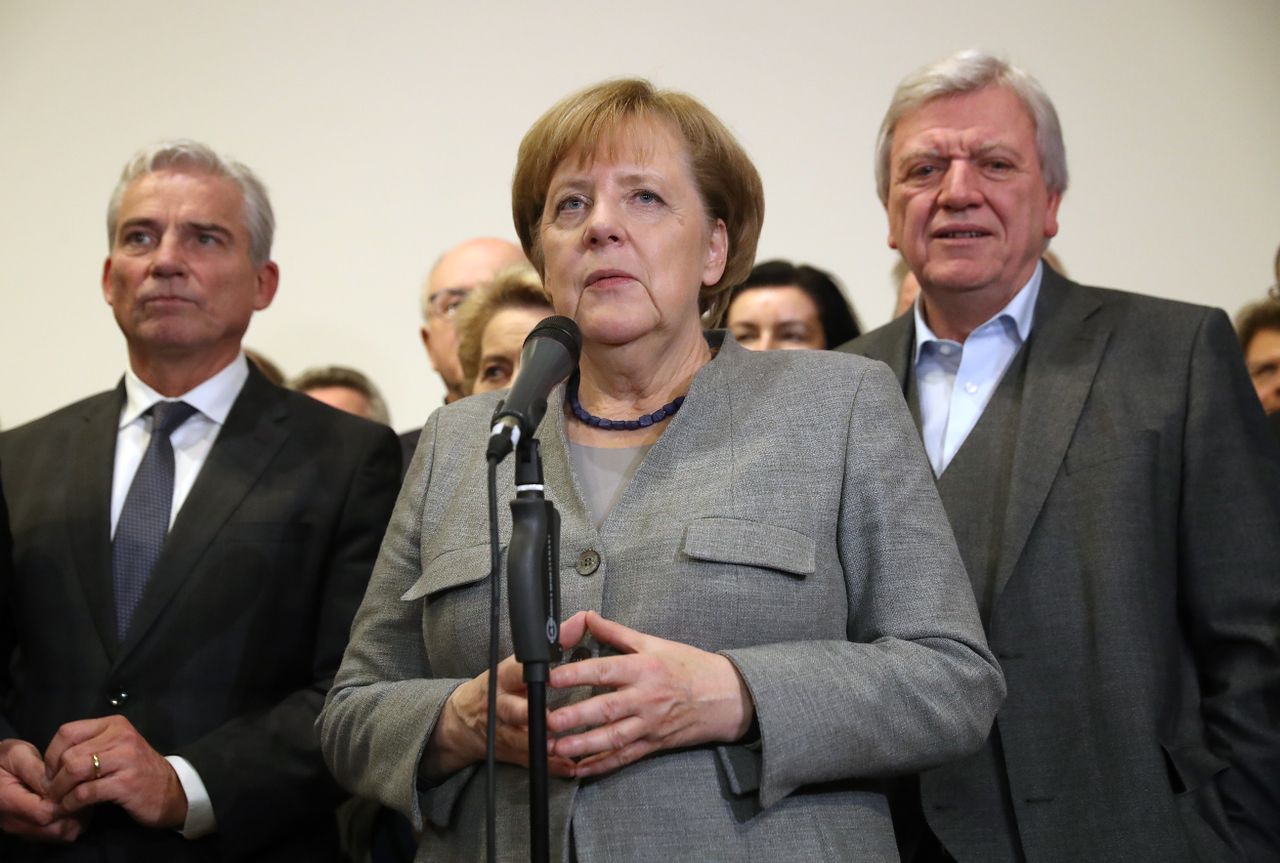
117 698
588 562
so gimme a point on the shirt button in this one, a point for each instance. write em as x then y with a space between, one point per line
945 349
117 698
588 562
971 388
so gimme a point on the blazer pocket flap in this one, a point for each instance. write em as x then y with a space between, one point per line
1097 453
752 543
450 569
1192 765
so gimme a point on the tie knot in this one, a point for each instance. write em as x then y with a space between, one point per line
167 416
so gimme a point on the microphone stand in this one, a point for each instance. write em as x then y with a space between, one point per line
533 597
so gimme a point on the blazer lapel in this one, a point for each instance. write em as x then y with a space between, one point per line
1067 341
88 510
253 433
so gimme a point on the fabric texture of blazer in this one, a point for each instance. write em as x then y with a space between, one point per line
797 534
1137 612
240 629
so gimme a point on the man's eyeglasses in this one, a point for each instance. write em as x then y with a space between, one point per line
444 303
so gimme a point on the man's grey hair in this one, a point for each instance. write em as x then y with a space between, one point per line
349 378
964 73
184 154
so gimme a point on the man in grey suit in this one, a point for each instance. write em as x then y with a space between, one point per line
187 553
1115 496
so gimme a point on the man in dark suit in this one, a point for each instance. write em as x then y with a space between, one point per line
188 551
1116 498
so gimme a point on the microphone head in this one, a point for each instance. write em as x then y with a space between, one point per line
563 330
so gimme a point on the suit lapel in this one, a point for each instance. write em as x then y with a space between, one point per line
88 509
1067 341
253 433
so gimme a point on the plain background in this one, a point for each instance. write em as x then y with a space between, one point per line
387 132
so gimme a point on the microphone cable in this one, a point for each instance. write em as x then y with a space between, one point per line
490 735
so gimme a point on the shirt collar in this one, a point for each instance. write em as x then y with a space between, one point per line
1020 310
213 398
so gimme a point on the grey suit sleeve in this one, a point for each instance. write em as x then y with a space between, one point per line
914 684
1229 577
384 703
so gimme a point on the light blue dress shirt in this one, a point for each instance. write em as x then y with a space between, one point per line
955 382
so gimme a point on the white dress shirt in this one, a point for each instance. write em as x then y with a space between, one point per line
192 442
955 382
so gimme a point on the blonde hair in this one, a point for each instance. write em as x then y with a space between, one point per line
516 286
727 181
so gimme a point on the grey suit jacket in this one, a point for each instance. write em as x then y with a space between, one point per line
240 629
1137 617
797 534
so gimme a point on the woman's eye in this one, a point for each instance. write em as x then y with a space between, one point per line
493 373
571 204
645 196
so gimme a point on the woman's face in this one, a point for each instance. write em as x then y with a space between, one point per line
773 318
500 346
626 241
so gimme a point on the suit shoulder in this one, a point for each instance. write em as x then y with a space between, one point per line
68 416
790 375
883 341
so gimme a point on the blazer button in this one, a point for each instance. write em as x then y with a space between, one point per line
588 562
117 698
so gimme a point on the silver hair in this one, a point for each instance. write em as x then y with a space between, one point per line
183 153
966 72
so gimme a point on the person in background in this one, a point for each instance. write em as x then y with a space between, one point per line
270 370
188 550
452 277
757 658
346 389
786 306
492 324
1115 496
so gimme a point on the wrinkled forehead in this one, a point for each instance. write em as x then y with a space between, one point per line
989 116
196 194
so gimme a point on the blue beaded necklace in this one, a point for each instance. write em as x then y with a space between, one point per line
662 413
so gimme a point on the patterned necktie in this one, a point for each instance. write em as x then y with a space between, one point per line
144 519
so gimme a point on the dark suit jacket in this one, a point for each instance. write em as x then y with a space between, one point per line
239 632
1137 614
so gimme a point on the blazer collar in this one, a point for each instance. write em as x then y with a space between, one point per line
1065 350
254 431
87 506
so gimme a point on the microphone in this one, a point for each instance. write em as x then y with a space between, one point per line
550 355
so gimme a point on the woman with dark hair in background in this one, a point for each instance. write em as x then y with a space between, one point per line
784 306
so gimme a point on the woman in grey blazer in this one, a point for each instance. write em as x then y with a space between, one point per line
752 550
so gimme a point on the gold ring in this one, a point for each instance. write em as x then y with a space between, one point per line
97 766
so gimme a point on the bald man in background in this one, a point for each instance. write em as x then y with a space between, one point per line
452 277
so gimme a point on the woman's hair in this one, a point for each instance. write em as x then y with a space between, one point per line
515 286
1256 317
578 125
839 322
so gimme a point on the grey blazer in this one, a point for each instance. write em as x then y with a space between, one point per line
1137 617
798 534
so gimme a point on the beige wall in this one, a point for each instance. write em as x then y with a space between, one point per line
387 131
